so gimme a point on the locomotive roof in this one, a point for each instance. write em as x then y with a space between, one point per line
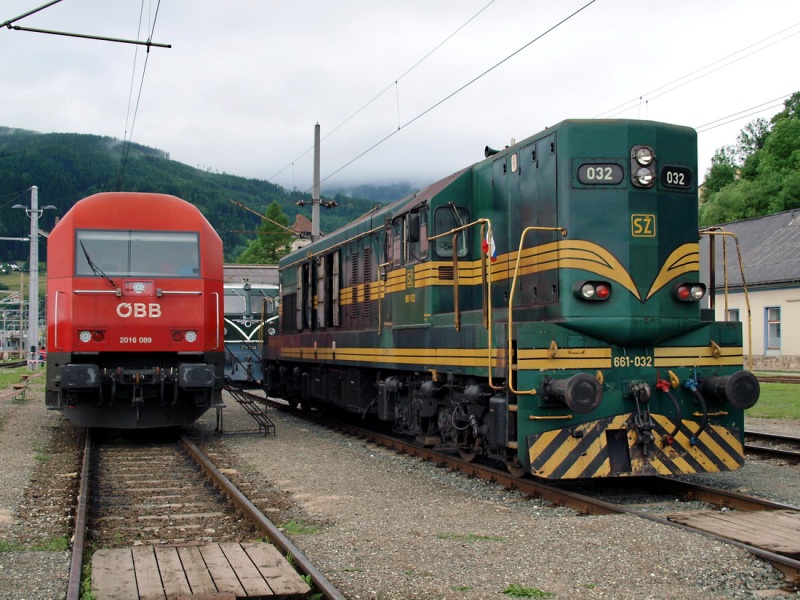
134 210
255 274
373 219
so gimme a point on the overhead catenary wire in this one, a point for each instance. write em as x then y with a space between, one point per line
743 114
457 91
700 73
13 196
127 143
394 84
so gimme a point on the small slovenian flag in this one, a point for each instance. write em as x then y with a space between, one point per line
488 246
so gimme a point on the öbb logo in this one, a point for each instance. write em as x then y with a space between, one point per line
138 310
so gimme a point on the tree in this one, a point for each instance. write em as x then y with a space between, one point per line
760 175
721 173
273 241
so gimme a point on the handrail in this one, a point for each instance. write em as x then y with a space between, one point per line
511 303
55 324
381 292
712 231
486 286
216 312
485 274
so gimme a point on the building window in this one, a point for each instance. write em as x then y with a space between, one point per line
773 328
733 314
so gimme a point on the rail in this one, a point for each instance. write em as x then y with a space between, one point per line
79 537
591 505
256 516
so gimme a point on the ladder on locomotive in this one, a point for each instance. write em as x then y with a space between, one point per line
265 425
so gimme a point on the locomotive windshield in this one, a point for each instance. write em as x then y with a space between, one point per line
252 302
137 253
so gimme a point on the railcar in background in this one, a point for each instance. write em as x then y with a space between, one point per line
541 307
134 313
251 313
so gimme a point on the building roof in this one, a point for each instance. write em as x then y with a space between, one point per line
302 224
770 249
253 273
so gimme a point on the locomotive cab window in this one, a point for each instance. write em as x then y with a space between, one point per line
418 235
398 240
137 253
235 304
261 302
447 218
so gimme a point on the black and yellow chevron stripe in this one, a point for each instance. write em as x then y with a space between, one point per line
559 454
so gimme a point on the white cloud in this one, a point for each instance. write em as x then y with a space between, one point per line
244 82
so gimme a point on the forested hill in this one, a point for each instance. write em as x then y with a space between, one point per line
67 167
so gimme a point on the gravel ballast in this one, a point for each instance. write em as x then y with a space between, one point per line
385 526
394 527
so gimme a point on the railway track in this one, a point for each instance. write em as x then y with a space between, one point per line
697 501
772 445
13 364
778 378
166 494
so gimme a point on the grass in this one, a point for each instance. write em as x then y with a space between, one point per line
295 528
777 401
9 376
59 544
12 280
520 591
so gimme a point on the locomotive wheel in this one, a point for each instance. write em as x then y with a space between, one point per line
466 455
515 469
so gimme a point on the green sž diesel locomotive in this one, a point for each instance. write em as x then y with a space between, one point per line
541 307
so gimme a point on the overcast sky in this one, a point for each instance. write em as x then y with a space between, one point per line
245 81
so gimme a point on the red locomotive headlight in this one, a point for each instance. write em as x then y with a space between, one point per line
184 336
87 335
594 291
689 292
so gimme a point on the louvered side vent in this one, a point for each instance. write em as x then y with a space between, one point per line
367 282
446 273
354 284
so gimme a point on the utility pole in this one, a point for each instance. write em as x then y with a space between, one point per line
21 313
315 195
33 273
316 202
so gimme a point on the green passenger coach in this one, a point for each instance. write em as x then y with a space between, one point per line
542 307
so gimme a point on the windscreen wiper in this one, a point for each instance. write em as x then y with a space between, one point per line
95 269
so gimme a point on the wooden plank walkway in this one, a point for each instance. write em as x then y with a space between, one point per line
777 531
224 570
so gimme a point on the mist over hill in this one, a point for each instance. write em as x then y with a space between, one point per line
69 166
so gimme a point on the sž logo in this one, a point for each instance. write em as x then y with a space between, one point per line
138 310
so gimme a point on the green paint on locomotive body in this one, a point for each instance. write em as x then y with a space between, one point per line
563 210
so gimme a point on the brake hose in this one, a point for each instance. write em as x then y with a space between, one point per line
664 385
691 384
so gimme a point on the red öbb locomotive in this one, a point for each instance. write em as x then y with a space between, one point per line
134 313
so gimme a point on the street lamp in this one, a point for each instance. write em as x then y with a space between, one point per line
34 212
